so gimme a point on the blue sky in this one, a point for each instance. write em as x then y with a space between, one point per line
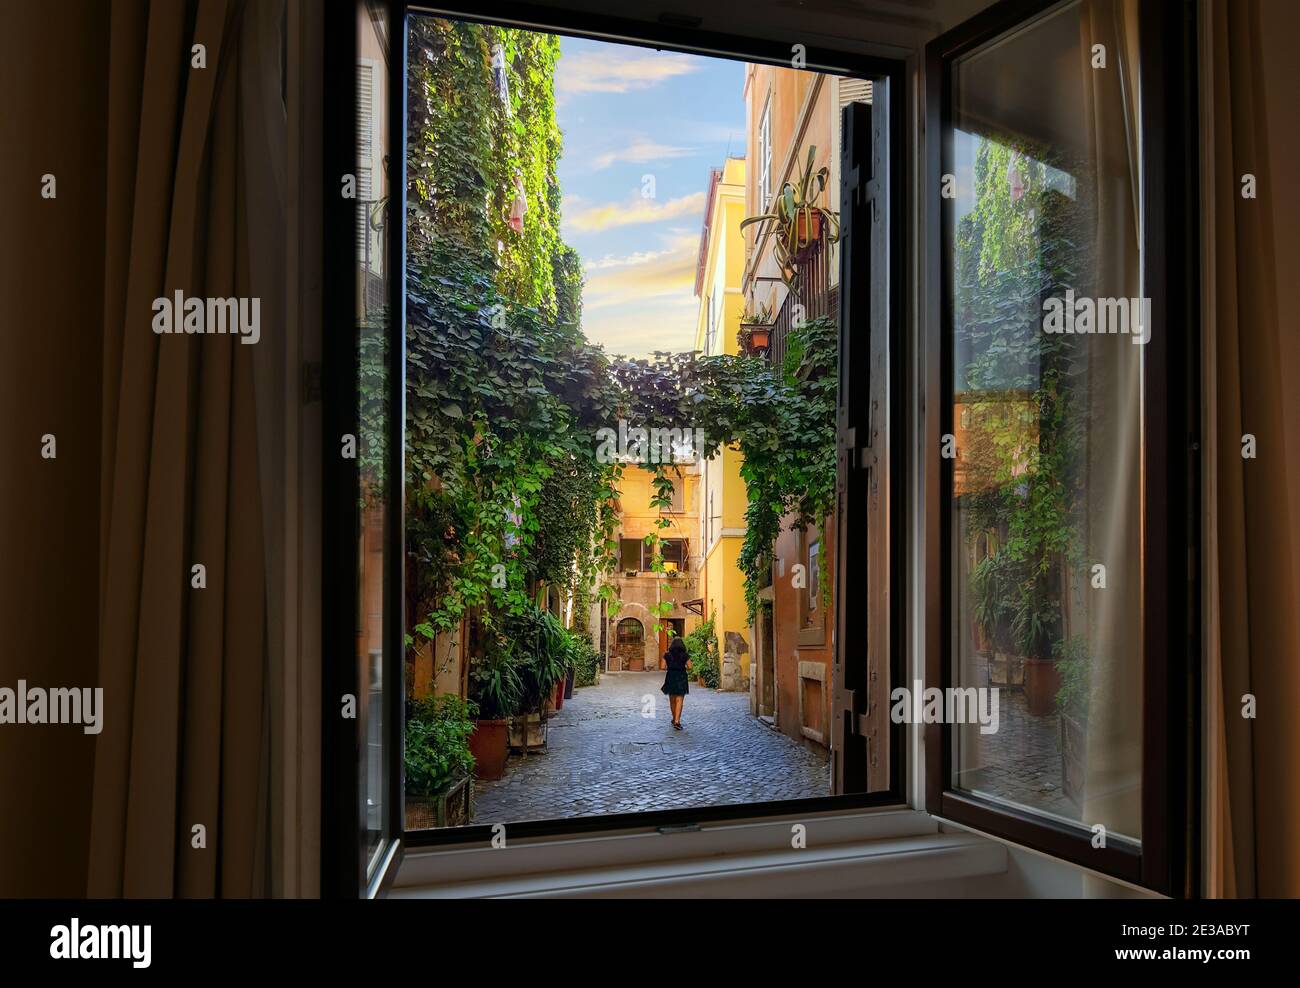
627 113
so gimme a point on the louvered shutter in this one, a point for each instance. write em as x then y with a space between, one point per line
366 140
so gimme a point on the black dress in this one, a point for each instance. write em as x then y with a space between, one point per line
675 681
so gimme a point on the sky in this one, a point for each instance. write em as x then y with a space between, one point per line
629 113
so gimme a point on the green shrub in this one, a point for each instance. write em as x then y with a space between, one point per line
437 744
586 660
702 646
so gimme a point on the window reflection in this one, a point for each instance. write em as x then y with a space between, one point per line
1046 498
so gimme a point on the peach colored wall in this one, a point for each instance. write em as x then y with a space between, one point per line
788 653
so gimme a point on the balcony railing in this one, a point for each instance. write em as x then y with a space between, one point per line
814 292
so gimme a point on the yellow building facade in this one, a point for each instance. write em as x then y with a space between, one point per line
635 638
719 276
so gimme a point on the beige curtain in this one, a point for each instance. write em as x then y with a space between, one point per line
185 671
1113 533
1253 520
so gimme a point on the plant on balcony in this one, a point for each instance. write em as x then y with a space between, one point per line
755 334
797 221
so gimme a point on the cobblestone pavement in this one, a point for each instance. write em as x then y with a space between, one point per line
603 757
1021 762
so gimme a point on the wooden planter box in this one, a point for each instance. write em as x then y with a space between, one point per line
453 807
528 732
1074 757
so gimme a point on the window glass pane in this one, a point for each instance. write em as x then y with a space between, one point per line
375 398
1047 337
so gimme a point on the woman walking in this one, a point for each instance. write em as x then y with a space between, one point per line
678 661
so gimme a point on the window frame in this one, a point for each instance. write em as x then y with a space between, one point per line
1166 860
888 76
812 618
346 870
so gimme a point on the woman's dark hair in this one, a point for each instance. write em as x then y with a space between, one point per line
677 647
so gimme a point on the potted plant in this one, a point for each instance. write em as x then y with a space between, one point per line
439 763
796 220
993 592
537 639
494 689
1035 617
702 647
755 334
1073 663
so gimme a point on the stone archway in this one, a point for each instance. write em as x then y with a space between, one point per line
629 645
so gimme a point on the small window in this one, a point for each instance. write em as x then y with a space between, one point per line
629 555
765 157
630 632
812 616
677 499
674 553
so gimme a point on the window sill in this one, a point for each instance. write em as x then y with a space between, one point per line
848 853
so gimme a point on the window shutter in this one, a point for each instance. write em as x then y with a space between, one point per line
366 140
854 91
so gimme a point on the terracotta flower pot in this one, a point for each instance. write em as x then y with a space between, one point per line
488 744
808 227
1042 680
559 695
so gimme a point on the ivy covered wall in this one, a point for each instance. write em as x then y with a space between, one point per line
479 134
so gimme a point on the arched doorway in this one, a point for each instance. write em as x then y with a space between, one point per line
629 645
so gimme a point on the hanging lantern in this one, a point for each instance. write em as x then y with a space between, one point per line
519 207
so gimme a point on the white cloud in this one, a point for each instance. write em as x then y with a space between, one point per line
682 240
608 72
635 210
640 151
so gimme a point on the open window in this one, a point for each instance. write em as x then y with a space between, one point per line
417 653
1062 348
